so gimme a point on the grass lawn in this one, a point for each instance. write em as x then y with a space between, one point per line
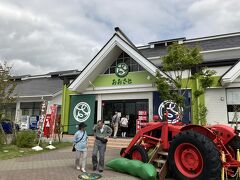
12 151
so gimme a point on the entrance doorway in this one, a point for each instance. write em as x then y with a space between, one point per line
129 108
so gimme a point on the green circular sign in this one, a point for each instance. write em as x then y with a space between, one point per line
121 70
81 111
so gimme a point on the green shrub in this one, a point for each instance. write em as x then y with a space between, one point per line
1 139
26 139
14 141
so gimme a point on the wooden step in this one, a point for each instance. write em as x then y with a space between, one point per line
111 146
112 143
160 161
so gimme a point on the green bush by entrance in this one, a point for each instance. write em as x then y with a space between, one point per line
26 139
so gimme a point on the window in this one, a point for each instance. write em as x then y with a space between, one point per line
112 69
31 108
233 105
25 112
36 112
124 58
133 68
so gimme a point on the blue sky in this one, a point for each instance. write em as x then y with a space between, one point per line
48 35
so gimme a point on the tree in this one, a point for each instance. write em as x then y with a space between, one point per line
7 87
177 64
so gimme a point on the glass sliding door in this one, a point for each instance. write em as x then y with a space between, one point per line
128 108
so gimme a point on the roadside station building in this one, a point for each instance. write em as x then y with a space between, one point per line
121 78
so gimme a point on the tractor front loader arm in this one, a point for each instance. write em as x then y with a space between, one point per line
140 135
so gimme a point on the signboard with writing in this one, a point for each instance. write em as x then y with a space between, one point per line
121 81
40 124
142 120
142 113
82 109
132 78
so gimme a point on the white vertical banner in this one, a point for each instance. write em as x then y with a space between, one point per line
40 125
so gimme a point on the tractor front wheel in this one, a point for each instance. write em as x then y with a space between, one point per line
121 152
194 156
139 153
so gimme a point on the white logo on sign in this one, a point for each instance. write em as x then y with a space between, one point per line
81 111
173 111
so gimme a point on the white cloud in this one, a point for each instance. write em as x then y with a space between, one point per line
210 17
19 67
43 36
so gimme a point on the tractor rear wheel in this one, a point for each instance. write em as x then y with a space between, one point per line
194 156
232 147
139 153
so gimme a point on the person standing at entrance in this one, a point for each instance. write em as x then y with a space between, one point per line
115 123
124 126
101 132
80 141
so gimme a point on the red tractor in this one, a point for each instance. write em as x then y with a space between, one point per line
186 151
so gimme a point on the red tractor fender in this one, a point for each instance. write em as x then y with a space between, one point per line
226 133
200 129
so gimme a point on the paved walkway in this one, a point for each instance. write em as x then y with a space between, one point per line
58 164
